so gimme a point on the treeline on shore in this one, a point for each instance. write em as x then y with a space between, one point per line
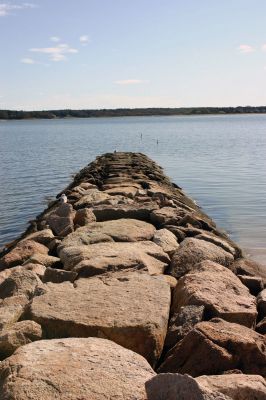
128 112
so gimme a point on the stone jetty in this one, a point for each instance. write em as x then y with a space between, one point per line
126 290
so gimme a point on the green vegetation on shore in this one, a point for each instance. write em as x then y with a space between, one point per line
129 112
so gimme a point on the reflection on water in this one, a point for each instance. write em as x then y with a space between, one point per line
218 160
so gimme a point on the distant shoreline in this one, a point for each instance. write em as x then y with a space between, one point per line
129 112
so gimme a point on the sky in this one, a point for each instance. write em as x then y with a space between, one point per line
80 54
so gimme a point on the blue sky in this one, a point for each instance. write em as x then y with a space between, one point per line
124 53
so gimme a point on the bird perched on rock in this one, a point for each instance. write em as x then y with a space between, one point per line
63 198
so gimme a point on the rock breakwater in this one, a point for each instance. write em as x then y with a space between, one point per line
129 291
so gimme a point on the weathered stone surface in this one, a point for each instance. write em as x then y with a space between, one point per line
58 275
36 268
122 230
220 292
11 309
43 259
261 326
191 251
17 335
177 231
167 216
84 216
102 257
236 386
180 387
127 191
71 369
18 283
244 266
218 241
122 307
93 198
61 220
216 346
166 240
44 236
182 322
21 253
253 283
122 184
261 301
135 210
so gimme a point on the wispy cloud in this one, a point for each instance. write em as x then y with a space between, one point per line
28 61
57 53
130 82
7 8
55 39
84 40
245 49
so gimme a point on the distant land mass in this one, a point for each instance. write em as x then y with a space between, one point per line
128 112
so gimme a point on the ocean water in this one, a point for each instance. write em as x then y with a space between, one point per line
218 160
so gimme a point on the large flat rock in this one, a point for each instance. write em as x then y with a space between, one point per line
71 369
122 230
132 309
220 292
111 256
217 346
191 251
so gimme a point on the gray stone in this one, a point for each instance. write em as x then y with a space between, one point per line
219 291
244 266
182 322
84 216
253 283
17 335
179 387
167 241
44 236
18 283
216 346
191 251
58 275
21 253
236 386
11 309
261 301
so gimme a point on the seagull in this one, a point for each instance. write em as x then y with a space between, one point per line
63 198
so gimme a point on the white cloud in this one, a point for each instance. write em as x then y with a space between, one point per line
28 61
7 8
55 39
57 53
84 40
130 82
245 48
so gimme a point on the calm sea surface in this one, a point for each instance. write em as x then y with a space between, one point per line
218 160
